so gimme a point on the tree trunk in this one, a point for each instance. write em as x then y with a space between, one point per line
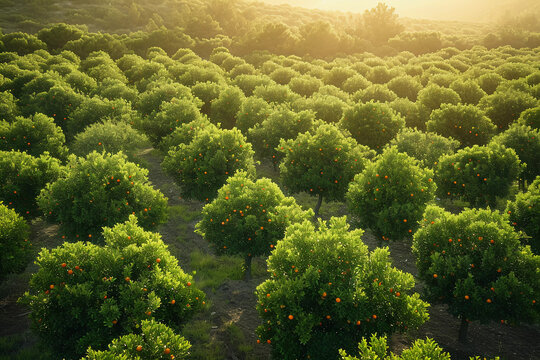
463 329
318 206
247 267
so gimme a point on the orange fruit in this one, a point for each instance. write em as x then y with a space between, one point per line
139 348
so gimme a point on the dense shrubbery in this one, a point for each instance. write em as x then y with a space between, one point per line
248 217
202 166
14 244
86 295
327 291
478 174
505 107
473 262
390 195
22 177
101 190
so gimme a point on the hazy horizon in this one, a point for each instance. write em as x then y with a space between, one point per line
459 10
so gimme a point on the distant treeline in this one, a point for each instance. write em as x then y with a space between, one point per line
242 27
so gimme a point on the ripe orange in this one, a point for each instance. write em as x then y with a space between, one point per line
188 284
167 351
291 317
127 278
64 265
158 260
338 300
139 348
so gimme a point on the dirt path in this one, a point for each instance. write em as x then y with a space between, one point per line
233 302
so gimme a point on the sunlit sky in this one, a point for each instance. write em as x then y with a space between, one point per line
464 10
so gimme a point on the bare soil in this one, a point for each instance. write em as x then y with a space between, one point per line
233 302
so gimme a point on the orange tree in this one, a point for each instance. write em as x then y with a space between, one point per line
202 166
248 217
14 244
524 213
327 291
474 263
101 190
23 176
34 135
282 123
154 341
86 295
390 195
504 107
525 141
321 163
465 123
377 348
477 174
372 124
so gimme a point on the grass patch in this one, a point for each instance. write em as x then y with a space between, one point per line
21 347
237 341
212 271
328 208
183 213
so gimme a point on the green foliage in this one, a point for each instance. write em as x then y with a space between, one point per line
474 263
57 35
155 341
530 117
35 136
465 123
14 244
524 214
206 92
252 112
427 148
109 136
372 124
327 291
512 71
468 90
281 124
248 217
376 92
377 349
225 108
92 110
86 295
202 166
185 133
405 87
414 114
355 83
8 106
505 107
168 117
101 190
278 94
390 195
248 83
157 92
478 174
305 85
433 96
525 141
489 82
326 107
21 43
22 177
321 162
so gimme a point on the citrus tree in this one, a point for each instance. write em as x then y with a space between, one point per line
474 263
86 295
504 107
282 123
477 174
524 213
34 135
426 147
525 141
372 124
101 190
390 195
248 217
23 176
377 348
155 341
14 244
327 291
201 167
465 123
321 163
